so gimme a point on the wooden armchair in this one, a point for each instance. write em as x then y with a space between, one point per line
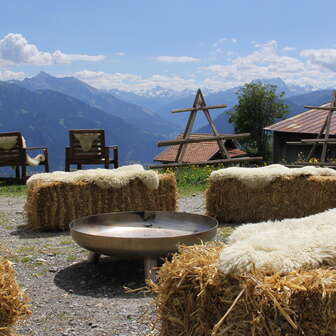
13 152
88 147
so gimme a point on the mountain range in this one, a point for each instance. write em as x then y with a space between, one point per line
162 101
148 121
45 116
44 108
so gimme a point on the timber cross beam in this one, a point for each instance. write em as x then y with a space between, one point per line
323 136
187 138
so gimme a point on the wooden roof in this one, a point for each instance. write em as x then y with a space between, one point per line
202 151
310 122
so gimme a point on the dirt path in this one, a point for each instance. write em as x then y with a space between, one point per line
69 296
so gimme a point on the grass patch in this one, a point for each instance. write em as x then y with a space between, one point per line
71 258
25 249
14 190
3 219
192 179
224 231
66 242
25 259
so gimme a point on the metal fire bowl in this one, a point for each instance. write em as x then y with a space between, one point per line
141 234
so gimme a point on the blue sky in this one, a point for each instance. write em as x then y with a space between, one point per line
137 45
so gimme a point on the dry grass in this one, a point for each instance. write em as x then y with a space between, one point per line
193 298
13 301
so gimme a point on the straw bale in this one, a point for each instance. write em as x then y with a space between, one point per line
231 201
195 298
53 205
13 301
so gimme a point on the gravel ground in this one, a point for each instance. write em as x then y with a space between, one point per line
69 296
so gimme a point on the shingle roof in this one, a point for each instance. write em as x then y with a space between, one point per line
306 122
202 151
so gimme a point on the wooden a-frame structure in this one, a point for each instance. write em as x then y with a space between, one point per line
200 105
323 136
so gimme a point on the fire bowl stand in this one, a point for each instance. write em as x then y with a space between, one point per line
150 264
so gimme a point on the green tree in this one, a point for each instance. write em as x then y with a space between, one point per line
258 106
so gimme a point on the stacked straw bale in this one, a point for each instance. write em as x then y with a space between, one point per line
53 205
13 302
231 201
195 298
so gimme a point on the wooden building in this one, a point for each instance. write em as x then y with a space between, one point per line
305 125
202 151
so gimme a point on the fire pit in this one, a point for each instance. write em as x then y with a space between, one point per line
148 235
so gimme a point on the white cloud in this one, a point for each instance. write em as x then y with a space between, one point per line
120 53
15 49
176 59
221 48
8 75
312 69
265 62
131 82
323 57
219 42
288 49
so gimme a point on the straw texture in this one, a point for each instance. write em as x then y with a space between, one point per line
13 302
53 205
232 201
194 298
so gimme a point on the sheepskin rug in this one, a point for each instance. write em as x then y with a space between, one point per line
9 142
262 176
32 161
104 178
282 246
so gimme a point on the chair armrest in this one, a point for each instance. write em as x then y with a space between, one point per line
115 155
33 148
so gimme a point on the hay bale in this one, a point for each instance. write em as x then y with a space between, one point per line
195 298
13 301
232 201
53 205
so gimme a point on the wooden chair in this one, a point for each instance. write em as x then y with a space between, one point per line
14 153
88 147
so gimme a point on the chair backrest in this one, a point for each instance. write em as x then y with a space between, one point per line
87 143
11 149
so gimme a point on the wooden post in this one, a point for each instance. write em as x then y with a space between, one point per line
325 127
199 104
150 264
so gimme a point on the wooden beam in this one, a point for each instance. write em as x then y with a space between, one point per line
312 150
297 143
205 163
221 143
328 165
199 108
329 140
196 140
322 164
320 108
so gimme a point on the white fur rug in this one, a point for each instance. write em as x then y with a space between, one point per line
104 178
282 246
260 177
32 161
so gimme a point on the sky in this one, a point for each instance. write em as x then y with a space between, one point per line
136 45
